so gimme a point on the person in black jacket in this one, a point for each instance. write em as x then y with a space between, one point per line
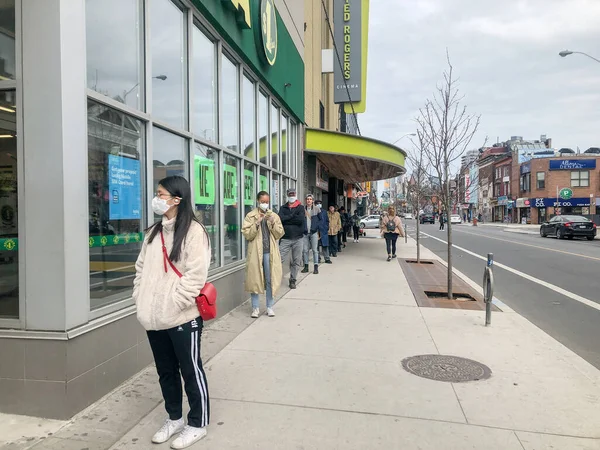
343 234
293 219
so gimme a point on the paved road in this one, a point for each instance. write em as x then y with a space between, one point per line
570 265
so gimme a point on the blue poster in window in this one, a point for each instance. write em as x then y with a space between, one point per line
124 188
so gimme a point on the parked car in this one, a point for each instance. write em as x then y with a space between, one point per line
371 221
408 216
427 218
455 218
569 227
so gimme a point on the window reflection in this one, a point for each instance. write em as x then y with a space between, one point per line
231 209
229 103
249 119
114 61
170 153
9 242
205 87
7 40
116 193
263 128
206 201
275 136
285 144
167 26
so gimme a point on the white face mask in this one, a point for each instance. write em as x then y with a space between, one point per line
160 206
264 206
292 199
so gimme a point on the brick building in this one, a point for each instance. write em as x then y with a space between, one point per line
541 181
501 202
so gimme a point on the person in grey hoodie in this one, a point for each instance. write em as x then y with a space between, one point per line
311 238
166 308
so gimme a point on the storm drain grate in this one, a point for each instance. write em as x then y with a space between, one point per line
451 369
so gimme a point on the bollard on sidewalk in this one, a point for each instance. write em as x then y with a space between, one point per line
488 288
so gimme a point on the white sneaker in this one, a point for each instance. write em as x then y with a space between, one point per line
255 313
170 428
270 312
189 436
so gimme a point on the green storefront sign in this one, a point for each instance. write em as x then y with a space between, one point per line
248 188
241 25
204 183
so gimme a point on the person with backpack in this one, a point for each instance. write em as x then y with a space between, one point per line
262 229
442 221
323 232
355 221
166 308
391 228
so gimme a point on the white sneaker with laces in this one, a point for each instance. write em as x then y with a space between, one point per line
255 313
270 312
189 436
170 428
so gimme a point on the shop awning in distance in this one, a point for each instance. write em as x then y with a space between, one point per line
355 158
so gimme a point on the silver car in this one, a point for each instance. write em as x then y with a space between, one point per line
371 221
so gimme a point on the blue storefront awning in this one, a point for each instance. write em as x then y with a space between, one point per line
550 202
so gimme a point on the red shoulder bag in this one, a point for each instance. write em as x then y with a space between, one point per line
207 299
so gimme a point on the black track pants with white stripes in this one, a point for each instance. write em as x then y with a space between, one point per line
177 354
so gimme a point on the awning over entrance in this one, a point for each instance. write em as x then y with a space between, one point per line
355 158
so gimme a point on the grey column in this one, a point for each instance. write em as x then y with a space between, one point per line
56 174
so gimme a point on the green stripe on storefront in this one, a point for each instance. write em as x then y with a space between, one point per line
12 244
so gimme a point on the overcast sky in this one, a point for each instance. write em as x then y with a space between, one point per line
506 54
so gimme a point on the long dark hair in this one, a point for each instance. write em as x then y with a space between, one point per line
177 187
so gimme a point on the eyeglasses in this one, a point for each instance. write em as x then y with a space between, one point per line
167 196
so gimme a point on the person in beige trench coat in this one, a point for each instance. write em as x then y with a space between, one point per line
262 229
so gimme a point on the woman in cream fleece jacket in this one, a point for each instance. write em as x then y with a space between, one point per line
166 308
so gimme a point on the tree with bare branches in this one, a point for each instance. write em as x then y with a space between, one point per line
419 188
448 129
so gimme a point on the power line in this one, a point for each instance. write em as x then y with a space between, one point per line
340 64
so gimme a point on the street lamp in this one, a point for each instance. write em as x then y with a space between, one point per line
566 53
158 77
408 134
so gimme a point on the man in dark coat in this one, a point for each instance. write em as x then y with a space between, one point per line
293 219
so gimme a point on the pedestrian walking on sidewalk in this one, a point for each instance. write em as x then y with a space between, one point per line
343 234
442 221
355 220
335 225
323 232
311 239
166 308
391 228
262 229
293 219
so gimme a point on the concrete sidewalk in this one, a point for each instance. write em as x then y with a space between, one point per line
326 373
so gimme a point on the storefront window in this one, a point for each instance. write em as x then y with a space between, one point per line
275 130
580 178
114 60
263 128
116 199
248 118
285 144
249 190
205 87
229 103
170 155
263 182
206 201
167 26
231 209
9 242
293 142
7 40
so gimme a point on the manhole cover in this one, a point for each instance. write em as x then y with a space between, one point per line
446 368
